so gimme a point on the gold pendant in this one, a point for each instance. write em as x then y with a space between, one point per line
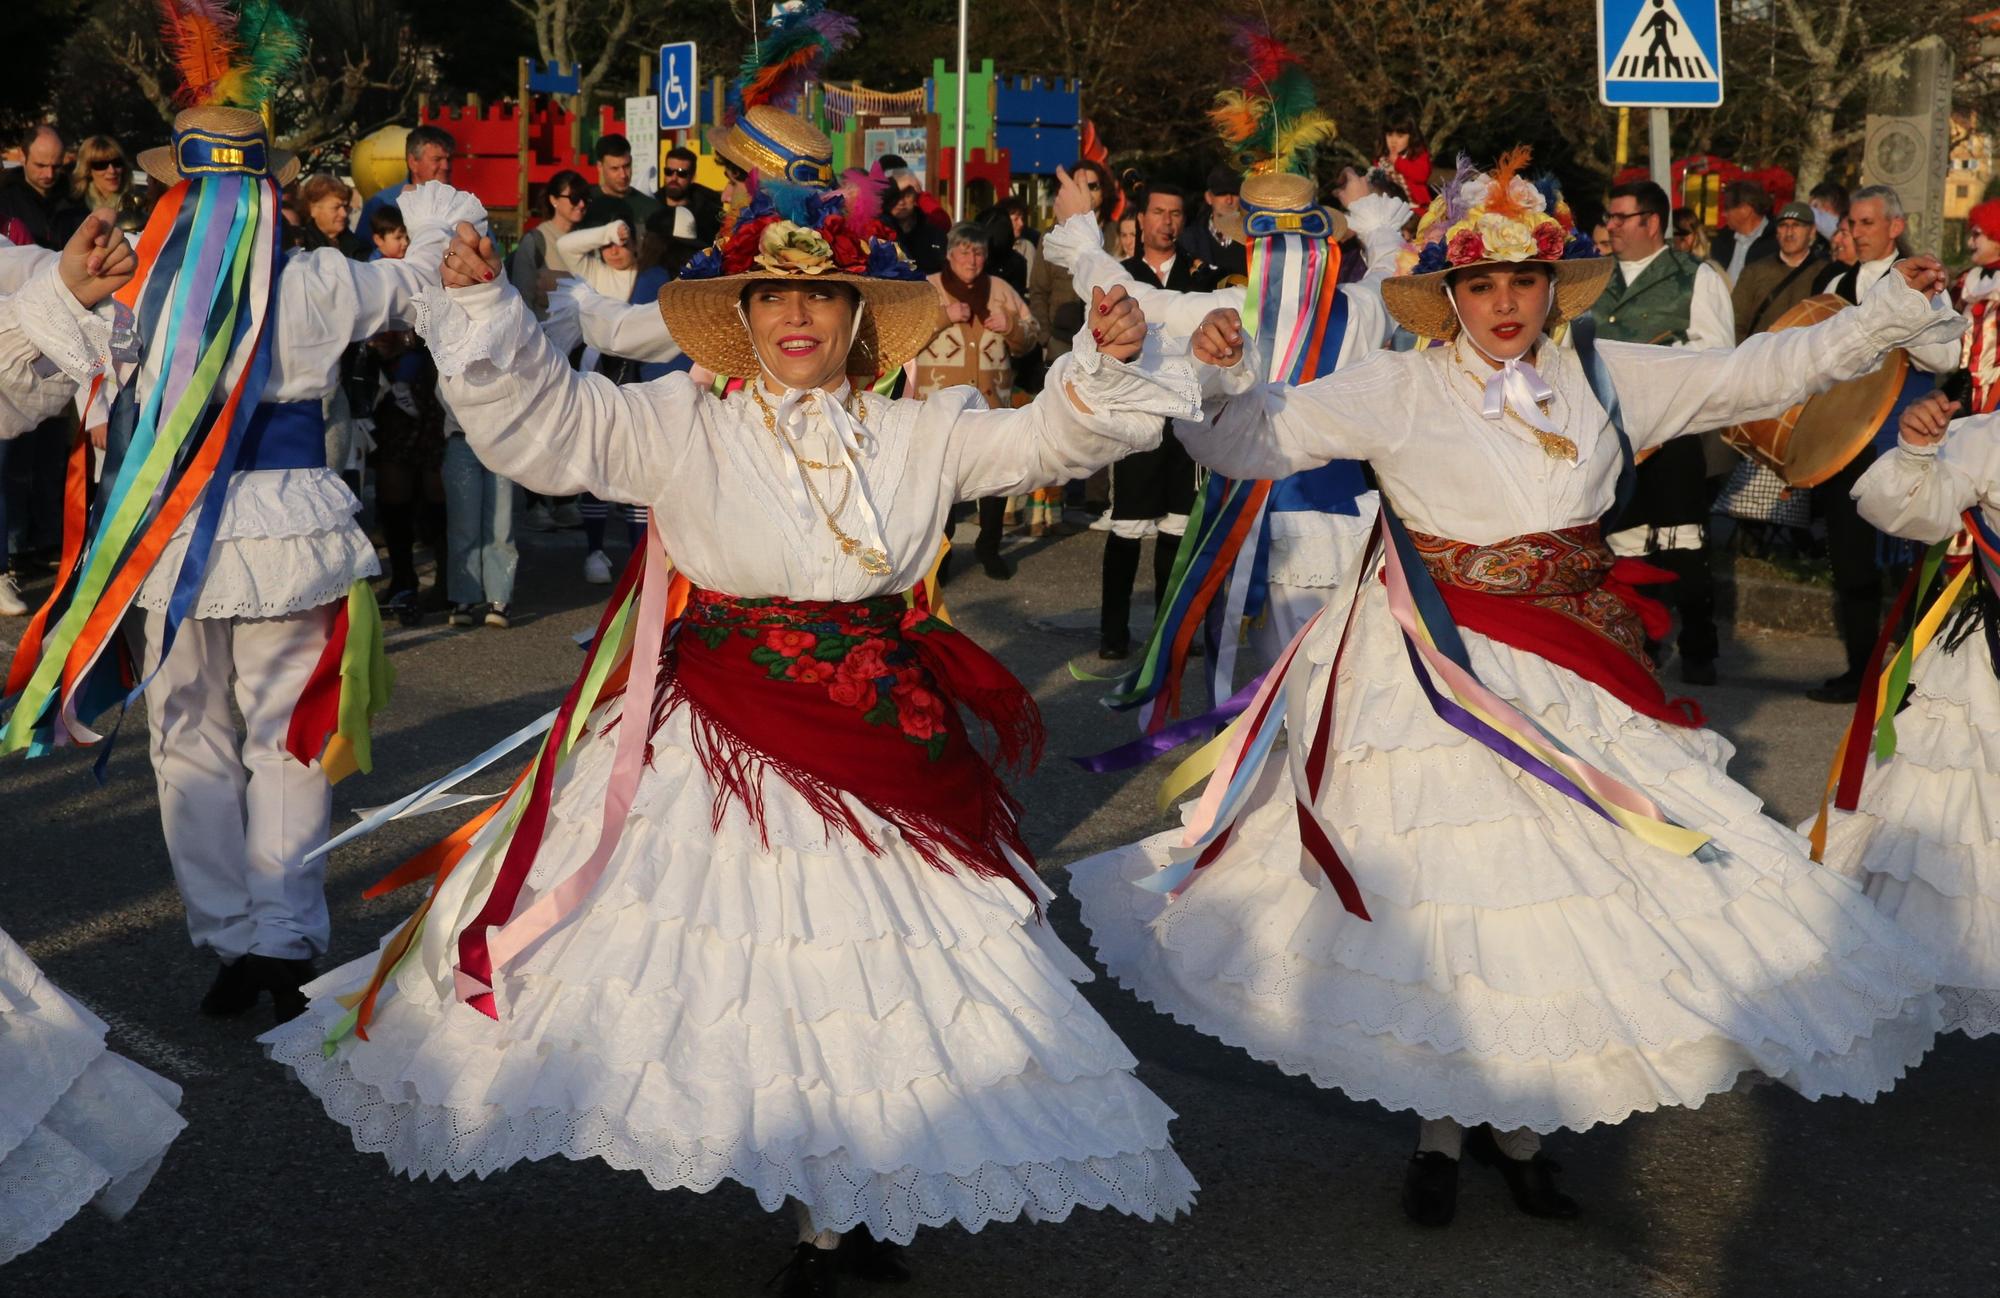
1556 446
875 563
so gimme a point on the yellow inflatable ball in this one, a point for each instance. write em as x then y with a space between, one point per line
378 161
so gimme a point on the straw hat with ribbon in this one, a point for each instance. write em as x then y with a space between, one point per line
766 134
214 140
1499 219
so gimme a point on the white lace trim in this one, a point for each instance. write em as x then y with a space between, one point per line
267 577
1975 1013
77 1124
457 341
841 1191
76 340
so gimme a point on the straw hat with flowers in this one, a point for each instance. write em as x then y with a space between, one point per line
1500 219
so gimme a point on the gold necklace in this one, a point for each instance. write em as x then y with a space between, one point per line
871 558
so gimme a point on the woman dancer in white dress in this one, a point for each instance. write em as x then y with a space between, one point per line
78 1124
803 966
1922 838
1525 961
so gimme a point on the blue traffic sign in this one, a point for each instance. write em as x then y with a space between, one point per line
1659 53
679 91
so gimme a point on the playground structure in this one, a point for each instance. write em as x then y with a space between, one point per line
1698 181
1015 127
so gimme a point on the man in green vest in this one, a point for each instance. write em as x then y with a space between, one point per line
1663 296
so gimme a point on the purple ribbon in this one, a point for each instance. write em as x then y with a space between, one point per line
1148 747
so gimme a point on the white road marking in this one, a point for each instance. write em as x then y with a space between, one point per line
147 1047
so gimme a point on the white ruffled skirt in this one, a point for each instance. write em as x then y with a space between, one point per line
1925 838
78 1124
286 541
1528 963
892 1045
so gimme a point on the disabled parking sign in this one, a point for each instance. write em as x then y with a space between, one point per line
1659 53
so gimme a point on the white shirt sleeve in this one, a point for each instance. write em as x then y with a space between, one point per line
1074 245
530 417
1669 391
1275 429
637 332
1711 316
1919 492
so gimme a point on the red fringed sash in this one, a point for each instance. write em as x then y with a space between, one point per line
1564 597
855 700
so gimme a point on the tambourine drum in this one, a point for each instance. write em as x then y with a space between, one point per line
1811 442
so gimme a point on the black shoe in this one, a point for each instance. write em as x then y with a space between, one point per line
1697 671
996 567
1531 1181
1430 1188
282 978
875 1260
1113 650
813 1272
234 990
1844 688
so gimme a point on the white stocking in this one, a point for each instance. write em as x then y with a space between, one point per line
1440 1136
1520 1144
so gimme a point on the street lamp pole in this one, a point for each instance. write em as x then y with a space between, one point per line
958 144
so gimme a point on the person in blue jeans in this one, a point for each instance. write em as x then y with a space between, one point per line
479 534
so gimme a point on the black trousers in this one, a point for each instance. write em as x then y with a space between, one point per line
1671 490
1853 547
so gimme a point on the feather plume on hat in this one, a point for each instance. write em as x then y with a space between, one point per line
801 36
1273 122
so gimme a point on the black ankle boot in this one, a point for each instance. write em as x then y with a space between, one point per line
1430 1188
282 978
1532 1181
234 990
813 1272
875 1260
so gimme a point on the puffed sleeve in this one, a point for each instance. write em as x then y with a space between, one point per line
1919 492
331 298
27 395
1273 430
637 332
530 417
1091 411
1667 392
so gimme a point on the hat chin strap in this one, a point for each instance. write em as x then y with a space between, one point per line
1515 385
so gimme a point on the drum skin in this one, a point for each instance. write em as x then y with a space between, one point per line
1811 442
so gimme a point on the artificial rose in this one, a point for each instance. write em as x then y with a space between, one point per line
741 251
1474 192
918 711
1549 241
1464 248
790 643
1526 196
793 250
848 253
1507 238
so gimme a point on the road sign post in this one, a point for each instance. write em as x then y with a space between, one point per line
678 88
1659 54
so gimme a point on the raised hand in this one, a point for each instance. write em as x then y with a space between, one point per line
97 262
1924 274
1072 196
471 259
1116 323
1218 340
1924 422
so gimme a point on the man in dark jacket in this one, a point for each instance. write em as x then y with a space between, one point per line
690 215
1216 236
1747 235
37 194
1770 287
1151 492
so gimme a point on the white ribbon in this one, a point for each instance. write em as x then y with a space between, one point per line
1518 386
792 420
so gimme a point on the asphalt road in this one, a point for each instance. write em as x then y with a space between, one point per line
1752 1194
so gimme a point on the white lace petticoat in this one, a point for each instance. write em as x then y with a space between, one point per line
893 1045
78 1124
1527 963
1921 840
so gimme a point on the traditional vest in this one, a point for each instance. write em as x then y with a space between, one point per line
1652 309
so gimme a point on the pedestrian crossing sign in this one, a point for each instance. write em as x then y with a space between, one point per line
1659 53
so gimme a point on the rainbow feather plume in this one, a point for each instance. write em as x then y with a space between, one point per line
801 36
237 57
1273 120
